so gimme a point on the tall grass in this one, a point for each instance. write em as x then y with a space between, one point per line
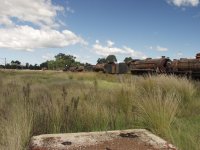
164 102
159 110
33 103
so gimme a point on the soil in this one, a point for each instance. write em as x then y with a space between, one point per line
118 144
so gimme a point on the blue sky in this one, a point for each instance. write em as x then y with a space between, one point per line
36 30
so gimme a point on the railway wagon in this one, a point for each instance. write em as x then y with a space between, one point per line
74 69
184 66
99 67
149 65
116 68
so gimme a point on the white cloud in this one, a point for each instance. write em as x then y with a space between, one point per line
134 53
97 41
110 43
48 56
158 48
180 3
82 59
28 38
39 12
161 49
109 50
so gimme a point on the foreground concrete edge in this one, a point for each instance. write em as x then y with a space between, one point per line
72 140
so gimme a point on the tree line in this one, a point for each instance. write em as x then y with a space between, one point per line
112 58
60 62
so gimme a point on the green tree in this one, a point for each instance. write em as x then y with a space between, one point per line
15 64
127 59
27 65
51 65
111 58
101 60
63 60
36 67
44 64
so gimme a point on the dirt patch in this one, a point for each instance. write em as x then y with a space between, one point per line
118 144
134 139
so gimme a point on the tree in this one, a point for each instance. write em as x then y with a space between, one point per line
8 66
51 65
101 60
15 64
27 66
31 67
44 65
127 59
63 60
111 58
36 67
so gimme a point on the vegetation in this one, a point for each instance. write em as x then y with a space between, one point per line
101 60
108 59
127 59
33 103
61 62
111 58
17 65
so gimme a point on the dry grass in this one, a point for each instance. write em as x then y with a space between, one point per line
33 103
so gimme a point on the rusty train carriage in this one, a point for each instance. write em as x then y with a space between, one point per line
163 65
184 66
99 67
116 68
149 65
110 68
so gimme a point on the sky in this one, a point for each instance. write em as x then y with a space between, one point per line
36 30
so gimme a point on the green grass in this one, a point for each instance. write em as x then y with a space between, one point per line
33 103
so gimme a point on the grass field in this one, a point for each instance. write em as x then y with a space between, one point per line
33 103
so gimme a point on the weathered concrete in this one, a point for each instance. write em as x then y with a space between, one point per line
72 140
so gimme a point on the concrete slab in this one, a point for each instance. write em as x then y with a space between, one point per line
84 140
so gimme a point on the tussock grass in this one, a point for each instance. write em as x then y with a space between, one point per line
33 103
158 110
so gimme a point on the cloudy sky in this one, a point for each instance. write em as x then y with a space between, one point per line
36 30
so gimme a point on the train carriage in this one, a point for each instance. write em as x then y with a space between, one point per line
161 65
184 66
